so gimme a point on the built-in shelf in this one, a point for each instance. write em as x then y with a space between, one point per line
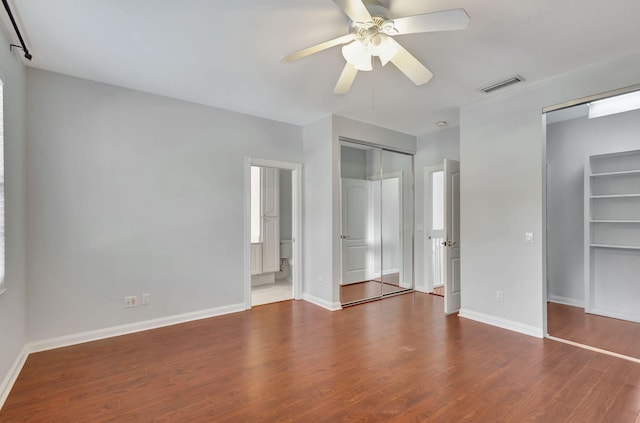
612 233
615 221
615 196
618 247
622 173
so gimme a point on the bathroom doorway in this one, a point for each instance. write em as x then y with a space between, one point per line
272 228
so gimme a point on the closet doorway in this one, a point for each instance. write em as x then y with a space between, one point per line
592 210
376 240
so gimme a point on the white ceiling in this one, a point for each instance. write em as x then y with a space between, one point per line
227 53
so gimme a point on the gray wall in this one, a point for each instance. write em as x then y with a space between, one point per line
13 316
433 148
568 145
502 190
317 210
131 193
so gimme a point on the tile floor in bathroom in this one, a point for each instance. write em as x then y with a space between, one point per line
281 290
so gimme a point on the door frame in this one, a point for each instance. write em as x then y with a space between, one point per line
296 217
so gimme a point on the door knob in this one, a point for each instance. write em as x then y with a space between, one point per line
343 237
449 243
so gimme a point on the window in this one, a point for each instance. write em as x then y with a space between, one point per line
256 218
2 284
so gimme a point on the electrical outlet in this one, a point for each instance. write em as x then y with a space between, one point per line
499 296
131 301
528 237
146 299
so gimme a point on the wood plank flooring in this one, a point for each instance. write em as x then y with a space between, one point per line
609 334
397 360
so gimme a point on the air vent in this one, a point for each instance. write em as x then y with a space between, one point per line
502 84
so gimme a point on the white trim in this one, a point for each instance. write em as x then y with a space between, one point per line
321 303
566 301
79 338
422 288
296 216
502 323
12 376
590 348
615 315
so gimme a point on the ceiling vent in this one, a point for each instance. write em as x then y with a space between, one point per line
503 84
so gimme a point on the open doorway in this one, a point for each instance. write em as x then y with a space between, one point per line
592 210
442 235
272 231
434 234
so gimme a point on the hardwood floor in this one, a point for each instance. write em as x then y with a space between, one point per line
574 324
397 360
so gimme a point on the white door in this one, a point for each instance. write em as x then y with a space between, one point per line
451 236
355 224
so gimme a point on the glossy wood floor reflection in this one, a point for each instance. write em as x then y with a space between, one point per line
366 291
572 323
397 360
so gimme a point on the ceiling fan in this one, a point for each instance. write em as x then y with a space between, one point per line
371 35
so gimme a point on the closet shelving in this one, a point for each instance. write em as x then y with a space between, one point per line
611 230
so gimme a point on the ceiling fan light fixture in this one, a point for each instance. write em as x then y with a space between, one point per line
357 55
380 45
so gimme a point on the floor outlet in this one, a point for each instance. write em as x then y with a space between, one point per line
146 299
131 301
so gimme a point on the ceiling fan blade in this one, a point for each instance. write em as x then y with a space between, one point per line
447 20
355 9
346 79
318 48
410 66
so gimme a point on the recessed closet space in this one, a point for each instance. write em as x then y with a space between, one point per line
593 228
376 240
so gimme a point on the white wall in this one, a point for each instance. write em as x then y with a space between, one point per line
501 155
568 145
131 193
433 148
13 316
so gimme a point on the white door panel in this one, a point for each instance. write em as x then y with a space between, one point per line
355 224
451 236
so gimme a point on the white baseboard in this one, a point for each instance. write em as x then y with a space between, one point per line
12 376
95 335
502 323
423 289
616 315
321 303
566 301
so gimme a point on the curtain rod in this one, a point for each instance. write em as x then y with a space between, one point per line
23 46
